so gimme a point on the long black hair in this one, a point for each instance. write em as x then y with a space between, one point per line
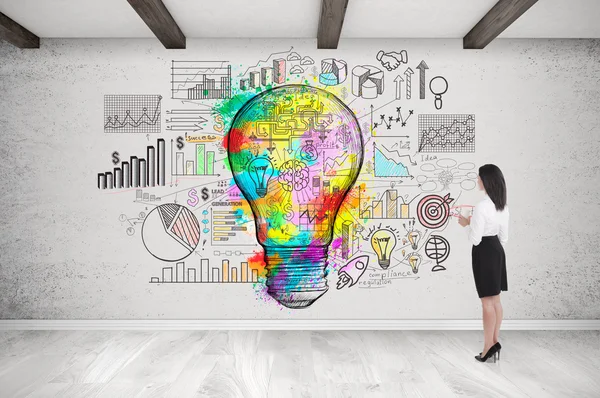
494 184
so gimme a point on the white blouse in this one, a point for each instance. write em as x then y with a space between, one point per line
487 221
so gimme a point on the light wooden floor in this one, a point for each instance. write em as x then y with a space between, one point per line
296 364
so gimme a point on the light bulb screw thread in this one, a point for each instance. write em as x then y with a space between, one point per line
296 275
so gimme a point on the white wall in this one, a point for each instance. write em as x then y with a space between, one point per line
65 255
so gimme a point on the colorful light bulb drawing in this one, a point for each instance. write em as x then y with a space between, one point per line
294 127
383 242
260 171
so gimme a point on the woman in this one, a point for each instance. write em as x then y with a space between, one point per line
488 231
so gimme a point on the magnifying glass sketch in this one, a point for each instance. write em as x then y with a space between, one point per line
438 86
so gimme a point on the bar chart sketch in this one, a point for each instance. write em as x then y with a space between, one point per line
141 196
266 76
132 113
200 80
204 273
350 240
228 226
137 172
446 133
202 164
388 206
171 232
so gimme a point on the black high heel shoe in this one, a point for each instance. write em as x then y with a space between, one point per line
491 353
499 347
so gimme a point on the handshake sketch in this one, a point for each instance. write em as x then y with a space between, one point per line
392 60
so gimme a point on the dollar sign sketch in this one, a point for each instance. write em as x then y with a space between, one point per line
179 142
273 208
289 212
204 194
115 157
193 197
219 125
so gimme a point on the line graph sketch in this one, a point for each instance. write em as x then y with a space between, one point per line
132 113
390 163
446 133
391 120
200 80
335 165
310 212
268 59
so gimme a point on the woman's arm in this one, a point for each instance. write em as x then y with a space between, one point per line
503 231
475 228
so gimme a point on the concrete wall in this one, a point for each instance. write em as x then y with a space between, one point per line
65 254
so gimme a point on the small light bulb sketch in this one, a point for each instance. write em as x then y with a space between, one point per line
438 87
414 260
260 171
413 235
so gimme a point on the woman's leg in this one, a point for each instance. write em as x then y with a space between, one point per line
489 322
499 314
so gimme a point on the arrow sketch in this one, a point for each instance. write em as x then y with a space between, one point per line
398 80
409 72
422 68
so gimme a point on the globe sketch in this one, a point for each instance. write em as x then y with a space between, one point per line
437 248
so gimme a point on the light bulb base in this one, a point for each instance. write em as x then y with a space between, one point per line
296 275
384 263
261 192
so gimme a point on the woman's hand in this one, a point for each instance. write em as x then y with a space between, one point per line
464 221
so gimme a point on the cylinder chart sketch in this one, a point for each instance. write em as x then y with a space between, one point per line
367 81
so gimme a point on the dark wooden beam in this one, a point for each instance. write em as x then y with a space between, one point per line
500 17
17 35
330 23
161 23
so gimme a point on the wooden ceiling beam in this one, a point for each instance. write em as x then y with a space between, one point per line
17 35
330 23
161 23
500 17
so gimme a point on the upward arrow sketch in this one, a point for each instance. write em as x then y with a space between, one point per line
422 68
398 80
409 72
371 119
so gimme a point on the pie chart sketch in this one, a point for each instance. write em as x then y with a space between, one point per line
171 232
333 71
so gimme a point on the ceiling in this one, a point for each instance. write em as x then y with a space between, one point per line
299 18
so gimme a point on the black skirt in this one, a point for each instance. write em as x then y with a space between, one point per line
489 267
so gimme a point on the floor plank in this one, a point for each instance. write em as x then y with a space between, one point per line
280 364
